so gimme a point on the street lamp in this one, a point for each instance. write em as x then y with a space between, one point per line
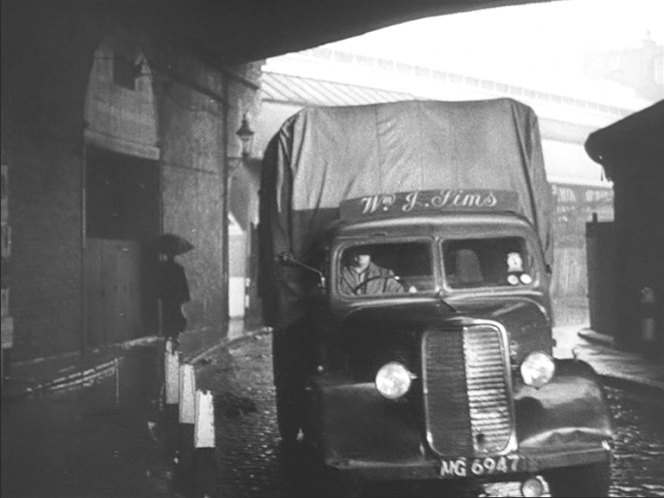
246 136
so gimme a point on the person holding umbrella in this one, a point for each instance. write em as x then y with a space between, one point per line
172 286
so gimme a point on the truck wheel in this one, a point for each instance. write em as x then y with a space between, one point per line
585 480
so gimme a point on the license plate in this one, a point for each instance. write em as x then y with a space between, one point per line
486 466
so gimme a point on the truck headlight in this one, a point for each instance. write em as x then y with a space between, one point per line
393 380
537 369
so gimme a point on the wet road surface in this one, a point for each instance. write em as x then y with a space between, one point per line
85 442
252 463
638 467
93 441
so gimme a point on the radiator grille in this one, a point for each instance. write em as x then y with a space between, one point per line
467 397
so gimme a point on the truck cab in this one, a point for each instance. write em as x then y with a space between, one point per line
434 359
454 258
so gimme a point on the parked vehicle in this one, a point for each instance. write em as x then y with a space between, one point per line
438 363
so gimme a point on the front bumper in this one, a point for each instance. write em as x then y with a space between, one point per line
516 464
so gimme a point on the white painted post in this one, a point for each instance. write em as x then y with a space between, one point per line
204 433
187 394
205 463
171 374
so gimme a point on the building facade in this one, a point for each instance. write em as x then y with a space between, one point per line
111 135
630 310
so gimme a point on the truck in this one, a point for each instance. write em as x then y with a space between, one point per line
432 358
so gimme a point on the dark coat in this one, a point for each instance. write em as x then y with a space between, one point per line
173 293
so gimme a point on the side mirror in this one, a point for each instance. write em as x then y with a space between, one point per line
287 259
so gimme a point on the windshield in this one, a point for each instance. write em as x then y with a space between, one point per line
493 262
387 269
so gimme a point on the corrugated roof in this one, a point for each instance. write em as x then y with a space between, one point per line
306 91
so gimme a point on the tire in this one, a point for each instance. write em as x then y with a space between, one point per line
582 481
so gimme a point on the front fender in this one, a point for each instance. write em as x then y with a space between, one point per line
563 423
355 422
571 410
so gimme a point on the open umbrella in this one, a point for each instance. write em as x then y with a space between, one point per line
169 243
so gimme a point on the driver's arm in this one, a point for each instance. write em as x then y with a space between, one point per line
394 285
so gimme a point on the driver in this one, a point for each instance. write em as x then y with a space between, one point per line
359 275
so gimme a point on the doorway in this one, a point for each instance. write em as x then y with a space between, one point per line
122 215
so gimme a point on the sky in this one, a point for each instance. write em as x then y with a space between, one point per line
505 42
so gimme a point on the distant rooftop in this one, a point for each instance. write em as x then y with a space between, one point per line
563 131
575 96
306 91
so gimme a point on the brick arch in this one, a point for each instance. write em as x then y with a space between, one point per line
120 103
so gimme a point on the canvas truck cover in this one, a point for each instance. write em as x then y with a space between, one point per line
322 156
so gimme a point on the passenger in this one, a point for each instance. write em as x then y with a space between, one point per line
359 275
467 271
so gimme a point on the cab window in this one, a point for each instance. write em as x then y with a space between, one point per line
493 262
386 269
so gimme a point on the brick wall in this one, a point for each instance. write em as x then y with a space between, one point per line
46 55
46 251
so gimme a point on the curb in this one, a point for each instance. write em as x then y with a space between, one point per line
621 381
595 337
106 367
226 342
636 384
81 378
